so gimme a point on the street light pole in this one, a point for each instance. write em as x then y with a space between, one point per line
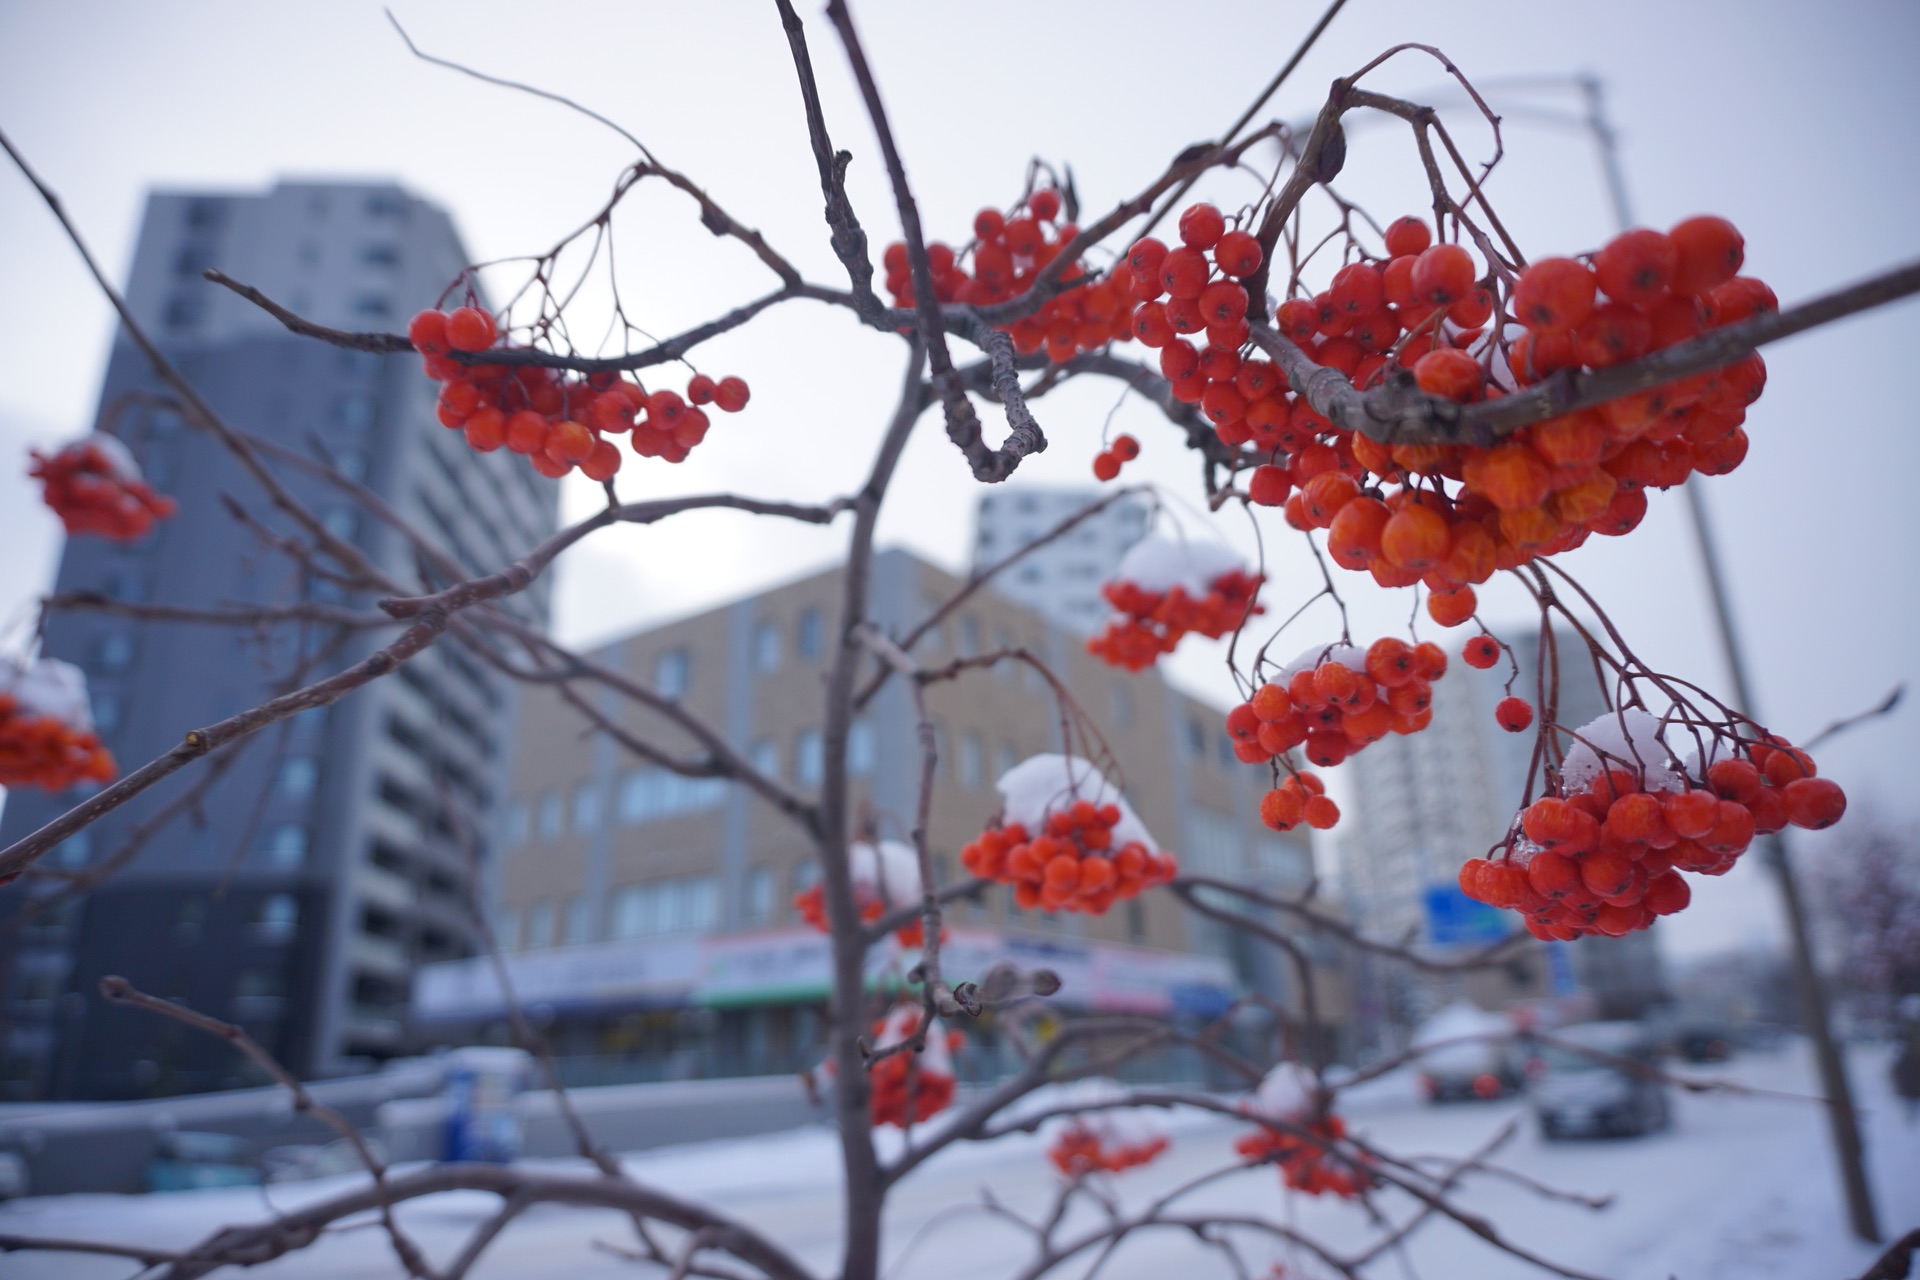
1841 1116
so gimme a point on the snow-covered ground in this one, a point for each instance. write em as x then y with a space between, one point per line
1741 1188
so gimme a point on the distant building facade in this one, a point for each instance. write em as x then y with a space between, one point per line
330 860
1425 803
1061 580
647 919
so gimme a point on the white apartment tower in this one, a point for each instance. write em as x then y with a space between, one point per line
1062 579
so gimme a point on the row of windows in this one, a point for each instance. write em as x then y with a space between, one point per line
650 795
688 904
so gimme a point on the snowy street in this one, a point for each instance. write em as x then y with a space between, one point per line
1739 1189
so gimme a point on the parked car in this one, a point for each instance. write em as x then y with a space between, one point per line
1704 1042
1599 1079
188 1161
1466 1053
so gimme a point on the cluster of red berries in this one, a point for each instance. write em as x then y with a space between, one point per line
1152 623
1308 1163
560 422
94 487
1339 700
1544 489
1071 866
909 1087
1300 797
1606 858
45 751
812 906
1107 463
1001 263
1079 1151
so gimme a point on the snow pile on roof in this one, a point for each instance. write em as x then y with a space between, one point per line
891 870
1619 740
1285 1094
1473 1028
48 687
1160 564
1350 656
1044 784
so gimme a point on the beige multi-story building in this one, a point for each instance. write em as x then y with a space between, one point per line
649 916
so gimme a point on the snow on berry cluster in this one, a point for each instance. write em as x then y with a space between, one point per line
1002 261
94 486
1067 840
1604 854
46 727
886 877
1165 590
1428 308
1307 1160
908 1087
557 421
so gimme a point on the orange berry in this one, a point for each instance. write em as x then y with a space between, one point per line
1708 252
1553 293
1415 538
1449 373
1451 608
470 329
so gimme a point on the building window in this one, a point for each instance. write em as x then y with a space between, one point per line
969 636
687 905
385 256
286 846
1213 844
765 755
808 635
861 751
670 673
114 651
973 761
341 522
766 646
648 795
506 928
374 306
587 807
540 925
578 927
74 850
552 815
1136 921
297 776
277 916
106 712
516 823
353 411
1006 668
809 760
805 876
1122 707
758 906
1005 756
1196 738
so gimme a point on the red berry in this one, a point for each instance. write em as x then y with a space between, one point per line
730 395
1201 226
428 333
470 329
700 389
1514 714
1407 235
1482 651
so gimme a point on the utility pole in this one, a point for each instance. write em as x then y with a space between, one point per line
1841 1117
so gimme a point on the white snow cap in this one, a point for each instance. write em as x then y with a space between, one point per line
48 687
1627 735
118 459
1160 564
890 869
1285 1094
1044 784
1122 1126
901 1023
1353 657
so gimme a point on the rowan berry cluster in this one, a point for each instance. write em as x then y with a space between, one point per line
94 486
1001 263
560 422
1080 1149
1604 855
909 1087
1107 463
46 734
1540 491
1308 1162
1152 623
1338 699
885 877
1072 865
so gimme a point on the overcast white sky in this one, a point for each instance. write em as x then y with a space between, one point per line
1797 121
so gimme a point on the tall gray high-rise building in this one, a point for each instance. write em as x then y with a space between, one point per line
1061 580
332 858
